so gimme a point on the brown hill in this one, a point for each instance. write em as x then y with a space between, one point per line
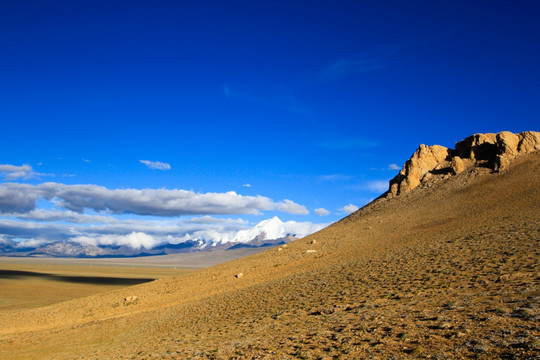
447 270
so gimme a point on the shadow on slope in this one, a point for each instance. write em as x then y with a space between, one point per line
95 280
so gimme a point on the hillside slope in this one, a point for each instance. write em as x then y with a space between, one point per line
449 269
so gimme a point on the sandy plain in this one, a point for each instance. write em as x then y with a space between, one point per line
28 282
447 271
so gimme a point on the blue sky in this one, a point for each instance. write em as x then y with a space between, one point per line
308 104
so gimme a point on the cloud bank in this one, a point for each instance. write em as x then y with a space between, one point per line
49 213
147 234
22 198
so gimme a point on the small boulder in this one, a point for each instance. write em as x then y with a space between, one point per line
458 165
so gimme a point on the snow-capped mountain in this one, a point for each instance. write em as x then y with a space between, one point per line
266 233
269 229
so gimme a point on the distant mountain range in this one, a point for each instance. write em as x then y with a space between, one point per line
267 233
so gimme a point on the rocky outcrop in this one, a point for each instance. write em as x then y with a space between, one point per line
494 151
420 167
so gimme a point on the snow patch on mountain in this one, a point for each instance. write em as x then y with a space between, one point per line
274 228
269 229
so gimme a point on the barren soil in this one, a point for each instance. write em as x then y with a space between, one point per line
29 282
448 270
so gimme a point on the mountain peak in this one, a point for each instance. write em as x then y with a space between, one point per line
272 228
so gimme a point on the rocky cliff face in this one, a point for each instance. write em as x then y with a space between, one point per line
494 151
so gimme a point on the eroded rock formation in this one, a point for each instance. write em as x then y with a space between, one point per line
494 151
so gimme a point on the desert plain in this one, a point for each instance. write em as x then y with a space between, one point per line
29 282
448 270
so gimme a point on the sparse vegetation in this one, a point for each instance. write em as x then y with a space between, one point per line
446 271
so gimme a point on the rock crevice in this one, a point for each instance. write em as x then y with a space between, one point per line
494 151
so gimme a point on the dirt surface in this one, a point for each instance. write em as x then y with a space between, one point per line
447 270
29 283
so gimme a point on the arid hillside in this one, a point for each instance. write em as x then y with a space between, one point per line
448 269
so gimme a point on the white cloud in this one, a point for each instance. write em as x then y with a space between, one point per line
349 208
25 171
335 177
116 232
157 165
247 185
134 240
35 231
393 167
379 186
206 219
291 207
29 243
17 198
22 198
321 212
14 171
68 216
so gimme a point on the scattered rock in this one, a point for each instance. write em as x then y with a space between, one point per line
512 276
239 275
130 300
311 251
313 241
445 325
416 351
279 249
